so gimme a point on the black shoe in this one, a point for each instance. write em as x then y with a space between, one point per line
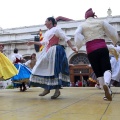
56 95
105 98
45 92
108 93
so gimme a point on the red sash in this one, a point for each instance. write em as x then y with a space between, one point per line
53 41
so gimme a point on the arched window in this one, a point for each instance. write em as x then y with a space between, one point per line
80 58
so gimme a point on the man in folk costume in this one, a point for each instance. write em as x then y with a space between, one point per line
51 70
115 66
92 32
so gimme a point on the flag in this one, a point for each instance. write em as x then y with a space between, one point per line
41 38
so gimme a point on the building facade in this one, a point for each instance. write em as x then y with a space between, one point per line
18 38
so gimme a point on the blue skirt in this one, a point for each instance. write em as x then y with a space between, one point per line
61 73
23 73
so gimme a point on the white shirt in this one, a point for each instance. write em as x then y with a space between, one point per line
94 29
16 55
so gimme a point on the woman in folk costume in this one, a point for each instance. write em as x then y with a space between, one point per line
24 72
51 70
31 63
7 69
92 32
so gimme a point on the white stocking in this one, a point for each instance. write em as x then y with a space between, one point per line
101 82
107 76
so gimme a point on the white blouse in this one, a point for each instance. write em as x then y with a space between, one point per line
16 55
27 63
58 32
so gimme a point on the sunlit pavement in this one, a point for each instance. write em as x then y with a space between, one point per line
80 103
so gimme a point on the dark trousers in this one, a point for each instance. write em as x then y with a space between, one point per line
100 61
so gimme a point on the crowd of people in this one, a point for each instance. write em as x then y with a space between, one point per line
51 69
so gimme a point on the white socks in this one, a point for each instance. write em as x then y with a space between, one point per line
105 79
107 76
101 82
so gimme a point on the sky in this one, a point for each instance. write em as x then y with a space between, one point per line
20 13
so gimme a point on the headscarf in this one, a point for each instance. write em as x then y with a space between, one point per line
89 13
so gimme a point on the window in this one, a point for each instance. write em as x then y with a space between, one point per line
80 58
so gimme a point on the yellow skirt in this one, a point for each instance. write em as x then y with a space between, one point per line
7 68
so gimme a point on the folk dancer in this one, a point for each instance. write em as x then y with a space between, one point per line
92 32
7 69
51 70
24 72
31 63
115 64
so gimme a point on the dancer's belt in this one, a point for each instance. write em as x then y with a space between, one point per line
95 44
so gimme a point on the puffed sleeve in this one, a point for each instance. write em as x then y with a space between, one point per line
78 38
111 32
43 42
61 34
27 63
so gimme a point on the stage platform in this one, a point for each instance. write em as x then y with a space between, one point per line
75 103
